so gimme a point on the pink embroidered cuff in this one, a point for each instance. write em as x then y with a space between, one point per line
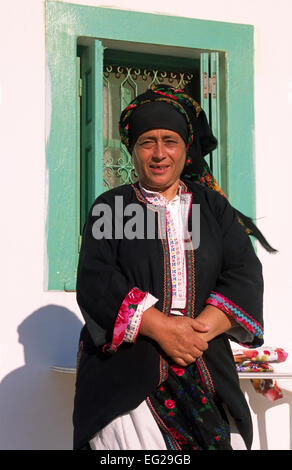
243 319
135 321
127 310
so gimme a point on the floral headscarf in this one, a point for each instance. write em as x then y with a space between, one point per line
200 142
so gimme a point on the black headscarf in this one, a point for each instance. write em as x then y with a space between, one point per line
156 115
165 107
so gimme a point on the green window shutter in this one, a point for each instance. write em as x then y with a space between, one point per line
215 114
91 158
211 102
204 82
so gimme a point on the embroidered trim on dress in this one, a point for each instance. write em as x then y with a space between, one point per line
167 297
190 294
231 309
127 310
172 441
133 326
167 294
167 287
205 375
163 370
189 263
176 255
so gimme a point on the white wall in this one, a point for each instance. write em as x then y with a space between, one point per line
40 328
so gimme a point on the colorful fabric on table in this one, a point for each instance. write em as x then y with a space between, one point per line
258 360
264 354
269 388
252 366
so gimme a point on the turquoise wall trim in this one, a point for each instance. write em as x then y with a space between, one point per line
64 24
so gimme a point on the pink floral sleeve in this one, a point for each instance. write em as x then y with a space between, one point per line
129 307
135 321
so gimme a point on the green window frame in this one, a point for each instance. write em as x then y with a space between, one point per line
65 25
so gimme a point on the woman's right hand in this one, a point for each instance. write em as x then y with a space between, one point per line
178 336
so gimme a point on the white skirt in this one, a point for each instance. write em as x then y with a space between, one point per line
138 430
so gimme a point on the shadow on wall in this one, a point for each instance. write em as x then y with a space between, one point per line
37 403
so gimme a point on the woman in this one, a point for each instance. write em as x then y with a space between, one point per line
155 367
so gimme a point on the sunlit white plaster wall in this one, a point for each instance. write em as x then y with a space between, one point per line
39 328
36 404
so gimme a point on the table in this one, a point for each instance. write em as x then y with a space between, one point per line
242 375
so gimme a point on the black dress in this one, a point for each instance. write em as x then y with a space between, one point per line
222 271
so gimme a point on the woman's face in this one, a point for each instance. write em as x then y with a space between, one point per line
159 157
